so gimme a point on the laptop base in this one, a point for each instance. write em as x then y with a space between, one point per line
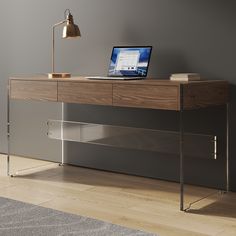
114 78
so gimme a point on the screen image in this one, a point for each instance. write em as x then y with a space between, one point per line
130 61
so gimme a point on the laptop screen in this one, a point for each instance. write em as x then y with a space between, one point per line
130 61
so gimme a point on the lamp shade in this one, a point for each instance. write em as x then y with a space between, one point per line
70 30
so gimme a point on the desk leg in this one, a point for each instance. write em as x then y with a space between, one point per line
8 129
62 133
181 154
227 147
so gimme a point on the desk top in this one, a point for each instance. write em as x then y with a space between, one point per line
148 93
147 81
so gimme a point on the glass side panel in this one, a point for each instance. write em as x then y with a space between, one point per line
195 145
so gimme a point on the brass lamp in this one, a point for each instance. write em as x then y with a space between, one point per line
71 30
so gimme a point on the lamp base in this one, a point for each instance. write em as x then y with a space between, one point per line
58 75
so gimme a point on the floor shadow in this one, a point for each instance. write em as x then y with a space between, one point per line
94 177
98 178
224 207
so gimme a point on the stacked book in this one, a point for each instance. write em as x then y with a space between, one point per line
185 77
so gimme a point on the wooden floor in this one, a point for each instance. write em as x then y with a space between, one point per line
135 202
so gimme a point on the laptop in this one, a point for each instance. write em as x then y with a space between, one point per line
128 63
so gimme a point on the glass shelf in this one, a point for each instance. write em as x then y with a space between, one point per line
162 141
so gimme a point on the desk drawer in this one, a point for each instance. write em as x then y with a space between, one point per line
85 93
146 96
33 90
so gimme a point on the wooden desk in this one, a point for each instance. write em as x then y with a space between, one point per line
149 93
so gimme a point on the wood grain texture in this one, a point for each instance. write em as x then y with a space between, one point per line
146 96
136 202
85 93
198 95
33 90
149 93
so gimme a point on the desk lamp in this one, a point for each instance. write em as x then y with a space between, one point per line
70 30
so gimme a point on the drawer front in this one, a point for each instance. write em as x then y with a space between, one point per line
146 96
198 95
85 93
33 90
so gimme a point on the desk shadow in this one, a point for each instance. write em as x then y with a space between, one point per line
222 207
141 187
101 178
131 184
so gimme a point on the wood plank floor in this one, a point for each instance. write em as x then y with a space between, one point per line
135 202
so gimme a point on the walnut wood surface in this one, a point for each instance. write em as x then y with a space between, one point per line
146 96
148 93
33 90
85 93
197 95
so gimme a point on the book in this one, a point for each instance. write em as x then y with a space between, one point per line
185 77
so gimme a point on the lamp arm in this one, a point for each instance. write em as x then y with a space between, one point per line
53 43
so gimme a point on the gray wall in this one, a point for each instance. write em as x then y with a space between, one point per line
187 35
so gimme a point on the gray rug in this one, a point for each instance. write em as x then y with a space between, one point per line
23 219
